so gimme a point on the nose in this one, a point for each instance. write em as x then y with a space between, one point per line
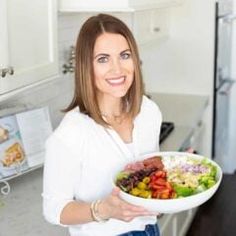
116 66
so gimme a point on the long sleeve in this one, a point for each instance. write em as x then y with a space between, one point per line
59 177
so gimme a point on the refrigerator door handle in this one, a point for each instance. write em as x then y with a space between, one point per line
226 88
228 18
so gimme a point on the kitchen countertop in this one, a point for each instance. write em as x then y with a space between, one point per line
21 210
176 139
185 111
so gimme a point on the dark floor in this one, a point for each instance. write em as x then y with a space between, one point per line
217 217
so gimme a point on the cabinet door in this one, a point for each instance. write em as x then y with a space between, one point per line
182 218
30 45
167 225
116 6
3 35
151 25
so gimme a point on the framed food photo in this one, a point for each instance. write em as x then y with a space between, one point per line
12 155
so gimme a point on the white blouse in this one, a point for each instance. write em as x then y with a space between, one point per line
130 146
81 160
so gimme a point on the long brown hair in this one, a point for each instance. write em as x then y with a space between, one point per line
85 90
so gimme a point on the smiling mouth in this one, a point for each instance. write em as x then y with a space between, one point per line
116 81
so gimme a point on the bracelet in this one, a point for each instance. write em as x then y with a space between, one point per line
95 213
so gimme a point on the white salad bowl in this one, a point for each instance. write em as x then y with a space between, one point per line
169 206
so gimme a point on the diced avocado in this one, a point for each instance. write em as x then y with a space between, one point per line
200 188
213 171
183 191
210 183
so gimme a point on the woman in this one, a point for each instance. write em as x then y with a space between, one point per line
108 124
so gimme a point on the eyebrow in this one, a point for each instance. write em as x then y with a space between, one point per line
106 55
101 54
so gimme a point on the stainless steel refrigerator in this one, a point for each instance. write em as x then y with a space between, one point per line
223 84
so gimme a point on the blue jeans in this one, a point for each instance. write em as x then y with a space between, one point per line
150 230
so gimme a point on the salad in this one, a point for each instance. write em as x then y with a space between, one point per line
168 177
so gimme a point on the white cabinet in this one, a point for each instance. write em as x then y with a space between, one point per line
150 18
117 6
196 139
167 225
184 220
176 224
28 43
151 25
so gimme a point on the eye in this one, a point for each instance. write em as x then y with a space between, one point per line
102 59
125 55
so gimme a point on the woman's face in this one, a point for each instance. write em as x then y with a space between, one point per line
113 66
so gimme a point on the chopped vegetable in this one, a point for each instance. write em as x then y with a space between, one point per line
173 177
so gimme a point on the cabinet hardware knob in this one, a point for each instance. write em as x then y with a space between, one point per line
10 70
5 71
156 29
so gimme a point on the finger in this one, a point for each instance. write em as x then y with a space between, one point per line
157 214
133 214
115 191
133 208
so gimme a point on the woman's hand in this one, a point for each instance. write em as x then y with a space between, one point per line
114 207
